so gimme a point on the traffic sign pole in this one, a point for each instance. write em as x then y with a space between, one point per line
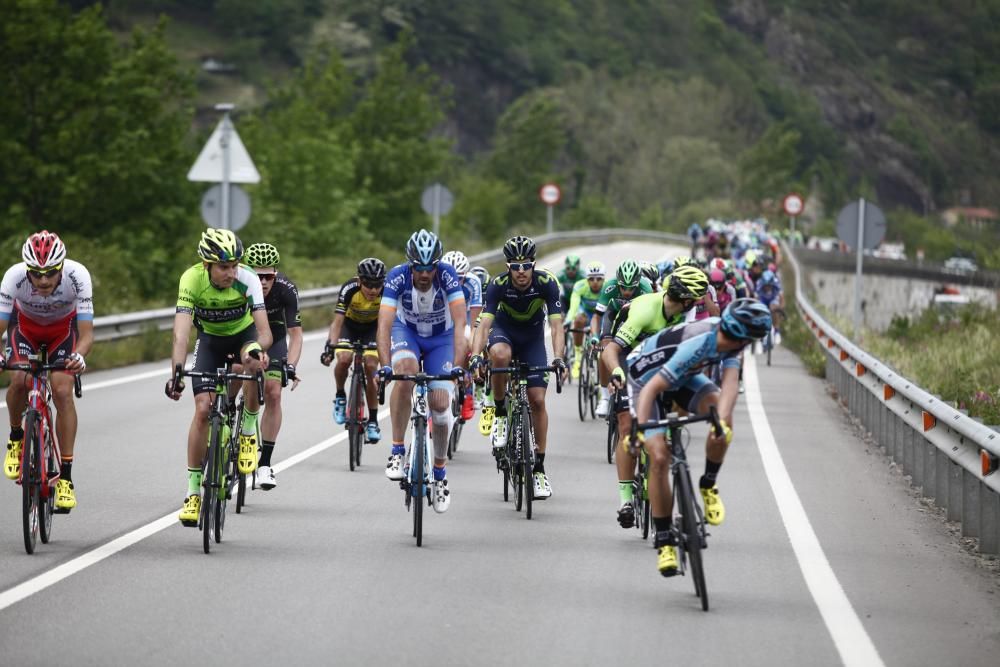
549 222
224 212
857 274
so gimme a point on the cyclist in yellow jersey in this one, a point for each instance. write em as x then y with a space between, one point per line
225 301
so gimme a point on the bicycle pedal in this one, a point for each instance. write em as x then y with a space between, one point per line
60 510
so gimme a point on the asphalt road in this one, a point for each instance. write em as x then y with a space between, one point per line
825 557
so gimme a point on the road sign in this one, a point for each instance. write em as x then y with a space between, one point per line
793 204
550 194
874 224
209 165
239 211
437 200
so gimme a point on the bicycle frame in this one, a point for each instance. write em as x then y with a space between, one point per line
356 420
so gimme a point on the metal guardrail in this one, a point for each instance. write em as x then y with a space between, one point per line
937 445
847 263
114 327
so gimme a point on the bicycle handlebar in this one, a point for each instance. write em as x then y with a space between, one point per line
674 421
525 369
34 368
420 378
220 375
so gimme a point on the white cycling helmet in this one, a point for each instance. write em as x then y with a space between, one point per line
595 270
457 260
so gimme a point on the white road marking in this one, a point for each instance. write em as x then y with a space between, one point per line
42 581
842 622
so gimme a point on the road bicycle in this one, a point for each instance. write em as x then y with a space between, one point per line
618 401
40 454
689 522
457 423
416 483
516 461
356 421
589 389
221 475
640 489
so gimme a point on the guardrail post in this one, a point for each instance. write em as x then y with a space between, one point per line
941 474
909 444
970 504
898 440
918 471
955 491
989 520
930 469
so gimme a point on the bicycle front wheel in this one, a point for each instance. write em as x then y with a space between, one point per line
210 484
581 391
770 344
515 455
612 436
30 482
691 532
529 460
46 501
419 484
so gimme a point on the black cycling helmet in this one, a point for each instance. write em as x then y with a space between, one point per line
371 268
745 319
519 248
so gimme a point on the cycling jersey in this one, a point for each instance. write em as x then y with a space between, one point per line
472 287
641 317
427 314
523 308
352 304
701 308
220 312
566 285
282 305
680 352
73 296
611 300
725 296
583 299
768 293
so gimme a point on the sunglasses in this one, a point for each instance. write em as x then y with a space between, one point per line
520 266
35 273
373 284
266 276
424 268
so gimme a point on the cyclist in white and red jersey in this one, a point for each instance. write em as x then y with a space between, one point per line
47 300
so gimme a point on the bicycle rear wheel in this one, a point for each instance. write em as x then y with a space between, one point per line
30 482
691 532
644 494
594 392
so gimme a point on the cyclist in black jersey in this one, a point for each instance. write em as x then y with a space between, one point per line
281 300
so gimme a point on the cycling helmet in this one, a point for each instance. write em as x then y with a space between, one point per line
745 319
717 263
717 277
750 257
573 262
519 248
595 270
649 272
481 273
261 254
220 245
371 269
628 274
768 278
457 260
423 248
681 261
43 250
665 268
687 282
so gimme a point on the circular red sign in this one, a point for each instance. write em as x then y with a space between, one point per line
550 194
793 204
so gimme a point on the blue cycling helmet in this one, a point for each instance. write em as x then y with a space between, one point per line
768 278
745 319
423 248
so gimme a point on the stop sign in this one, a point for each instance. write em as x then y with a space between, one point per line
550 194
793 204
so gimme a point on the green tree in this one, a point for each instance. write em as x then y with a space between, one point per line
769 168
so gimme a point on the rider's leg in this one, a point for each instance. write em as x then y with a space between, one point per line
270 423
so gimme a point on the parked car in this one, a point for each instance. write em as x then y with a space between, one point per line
960 265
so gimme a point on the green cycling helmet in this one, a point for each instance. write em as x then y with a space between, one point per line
261 254
572 261
628 274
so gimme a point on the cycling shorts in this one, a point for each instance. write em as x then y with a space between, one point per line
353 332
437 352
26 337
526 347
211 353
687 397
278 355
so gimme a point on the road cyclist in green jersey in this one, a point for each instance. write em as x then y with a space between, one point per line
568 278
582 306
642 317
224 300
281 301
627 284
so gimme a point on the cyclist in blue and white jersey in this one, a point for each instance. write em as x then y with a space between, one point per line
769 292
668 368
472 288
422 316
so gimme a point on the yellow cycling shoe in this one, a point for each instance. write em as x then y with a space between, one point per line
247 462
65 495
715 511
189 513
666 562
486 420
576 367
12 461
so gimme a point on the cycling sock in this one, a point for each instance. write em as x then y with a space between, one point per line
66 469
16 433
604 393
398 448
194 481
265 457
249 422
625 490
373 415
662 524
539 462
341 394
501 407
707 480
439 473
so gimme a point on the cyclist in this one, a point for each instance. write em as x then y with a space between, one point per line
668 369
568 278
627 283
46 300
513 328
281 301
422 315
640 318
582 307
225 302
355 320
651 273
770 294
480 393
472 288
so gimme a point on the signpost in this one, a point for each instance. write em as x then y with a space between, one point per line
224 160
239 207
436 201
860 225
793 205
550 194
